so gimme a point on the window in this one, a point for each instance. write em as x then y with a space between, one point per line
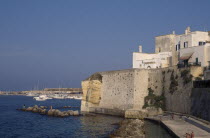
178 46
196 60
185 44
200 43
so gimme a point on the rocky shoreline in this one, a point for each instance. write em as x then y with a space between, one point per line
11 93
130 128
51 112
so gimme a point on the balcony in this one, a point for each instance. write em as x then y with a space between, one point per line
188 64
201 84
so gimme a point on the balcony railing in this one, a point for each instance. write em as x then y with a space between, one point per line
182 65
201 84
206 68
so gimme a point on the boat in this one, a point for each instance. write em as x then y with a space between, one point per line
69 97
31 94
58 96
41 98
77 97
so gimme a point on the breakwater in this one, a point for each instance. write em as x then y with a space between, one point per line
44 91
51 112
34 125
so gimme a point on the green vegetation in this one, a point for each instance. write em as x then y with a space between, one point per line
174 83
185 72
187 77
163 72
163 88
198 78
169 71
176 76
154 101
164 78
95 76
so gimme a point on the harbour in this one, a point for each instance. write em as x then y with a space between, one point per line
104 69
35 125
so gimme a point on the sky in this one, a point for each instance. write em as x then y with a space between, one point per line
59 43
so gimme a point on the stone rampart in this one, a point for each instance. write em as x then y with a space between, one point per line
126 90
200 103
119 90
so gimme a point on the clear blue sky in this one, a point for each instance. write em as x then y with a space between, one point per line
52 43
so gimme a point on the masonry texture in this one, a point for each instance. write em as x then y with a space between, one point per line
123 92
200 103
118 90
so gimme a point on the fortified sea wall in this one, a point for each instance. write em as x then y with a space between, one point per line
134 92
114 92
176 86
200 103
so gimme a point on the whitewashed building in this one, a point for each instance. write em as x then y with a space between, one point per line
193 48
190 48
151 60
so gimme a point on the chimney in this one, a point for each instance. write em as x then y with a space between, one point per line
140 49
173 32
187 30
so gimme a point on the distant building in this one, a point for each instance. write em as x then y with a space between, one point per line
166 43
153 60
190 48
193 48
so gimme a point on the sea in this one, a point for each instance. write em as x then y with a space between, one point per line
19 124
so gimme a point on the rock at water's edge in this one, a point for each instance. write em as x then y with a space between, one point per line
130 128
75 113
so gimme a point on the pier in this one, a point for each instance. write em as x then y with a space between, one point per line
179 125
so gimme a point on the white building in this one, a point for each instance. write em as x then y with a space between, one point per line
190 48
154 60
193 48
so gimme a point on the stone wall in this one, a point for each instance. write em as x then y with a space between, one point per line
177 97
91 94
207 75
176 85
125 90
166 43
119 90
200 103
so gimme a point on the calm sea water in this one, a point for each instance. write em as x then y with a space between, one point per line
155 130
15 123
20 124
